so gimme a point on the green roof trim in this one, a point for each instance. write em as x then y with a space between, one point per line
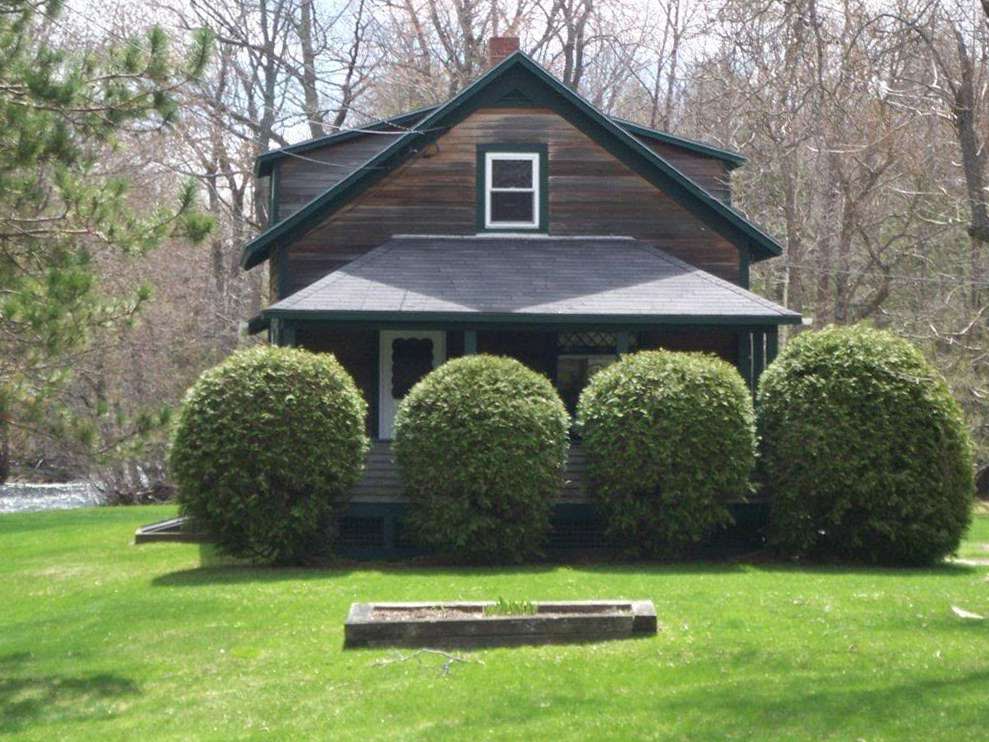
263 163
519 71
469 319
731 158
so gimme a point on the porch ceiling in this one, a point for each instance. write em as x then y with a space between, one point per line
527 279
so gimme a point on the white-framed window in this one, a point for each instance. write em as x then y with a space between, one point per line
511 190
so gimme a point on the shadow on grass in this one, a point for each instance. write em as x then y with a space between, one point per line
808 706
233 574
834 703
945 569
218 570
28 699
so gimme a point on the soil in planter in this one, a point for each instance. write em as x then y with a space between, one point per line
469 612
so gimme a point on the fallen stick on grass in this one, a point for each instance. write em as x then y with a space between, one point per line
445 668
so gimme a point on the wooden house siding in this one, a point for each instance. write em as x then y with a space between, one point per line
537 350
356 350
721 342
709 173
591 193
307 175
304 177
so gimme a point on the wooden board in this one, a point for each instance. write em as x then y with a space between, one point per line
591 193
571 621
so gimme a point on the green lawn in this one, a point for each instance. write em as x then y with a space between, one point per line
101 639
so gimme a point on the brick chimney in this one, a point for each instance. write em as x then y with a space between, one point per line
500 47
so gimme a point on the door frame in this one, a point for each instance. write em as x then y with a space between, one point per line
386 405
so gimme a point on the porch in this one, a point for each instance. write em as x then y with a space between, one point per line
386 362
565 307
373 525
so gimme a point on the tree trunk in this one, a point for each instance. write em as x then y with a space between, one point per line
309 90
4 451
973 161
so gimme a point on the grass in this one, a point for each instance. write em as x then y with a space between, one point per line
504 607
103 640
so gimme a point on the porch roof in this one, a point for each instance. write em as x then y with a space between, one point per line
527 279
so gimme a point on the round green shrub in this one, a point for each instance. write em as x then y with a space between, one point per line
481 443
864 451
266 449
667 437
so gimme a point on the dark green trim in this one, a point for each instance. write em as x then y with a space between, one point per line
551 354
731 158
480 171
772 345
257 323
376 387
264 163
280 255
273 194
624 342
281 273
749 518
460 319
745 356
758 357
470 342
519 71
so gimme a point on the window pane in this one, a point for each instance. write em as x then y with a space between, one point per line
511 173
411 359
512 207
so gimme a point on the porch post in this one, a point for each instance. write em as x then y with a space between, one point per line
288 335
745 356
470 342
758 357
622 343
772 344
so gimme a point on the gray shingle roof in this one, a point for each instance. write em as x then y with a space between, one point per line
527 279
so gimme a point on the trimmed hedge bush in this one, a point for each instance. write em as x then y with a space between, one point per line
667 437
864 450
481 442
266 449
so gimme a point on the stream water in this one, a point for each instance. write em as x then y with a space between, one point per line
25 498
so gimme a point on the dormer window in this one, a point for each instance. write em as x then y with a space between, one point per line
512 188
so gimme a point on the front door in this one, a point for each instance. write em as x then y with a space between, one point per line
405 357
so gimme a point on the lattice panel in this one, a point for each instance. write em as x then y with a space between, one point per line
590 341
604 341
367 533
577 534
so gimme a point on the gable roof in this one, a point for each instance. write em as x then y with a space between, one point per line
518 279
265 163
519 75
731 158
396 124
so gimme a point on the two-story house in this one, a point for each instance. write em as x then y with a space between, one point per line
514 219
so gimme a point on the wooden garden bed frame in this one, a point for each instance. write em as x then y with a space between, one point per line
466 624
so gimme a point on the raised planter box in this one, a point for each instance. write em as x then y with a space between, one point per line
174 529
465 623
